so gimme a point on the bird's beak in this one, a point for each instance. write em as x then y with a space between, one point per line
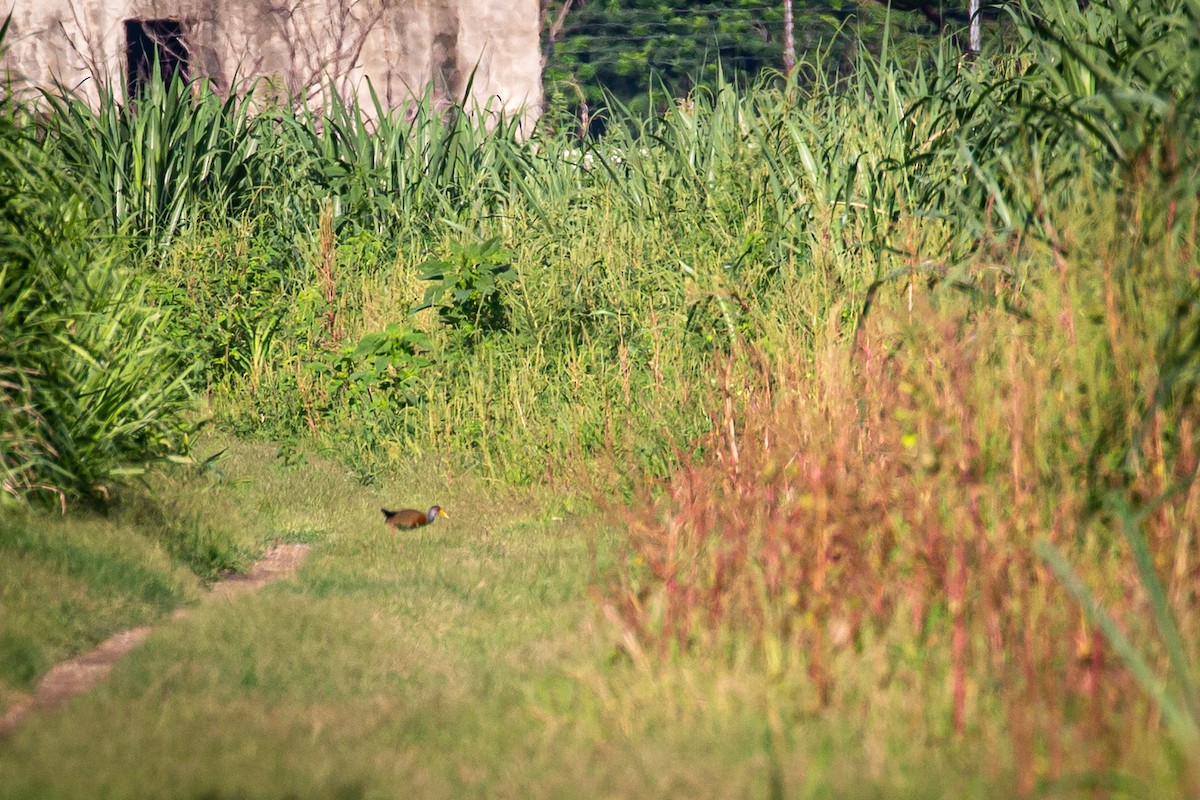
442 513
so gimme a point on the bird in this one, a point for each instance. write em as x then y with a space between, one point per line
411 518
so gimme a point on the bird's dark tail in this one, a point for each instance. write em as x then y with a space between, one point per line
387 514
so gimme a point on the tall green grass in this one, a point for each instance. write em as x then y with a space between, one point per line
155 163
607 331
89 388
763 208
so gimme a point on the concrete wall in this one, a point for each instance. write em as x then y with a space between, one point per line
297 47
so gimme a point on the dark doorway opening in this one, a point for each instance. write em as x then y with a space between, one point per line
147 40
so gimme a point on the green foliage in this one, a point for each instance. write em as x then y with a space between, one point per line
1122 78
641 53
623 46
734 217
89 389
183 154
227 294
468 286
379 375
1106 97
155 164
411 166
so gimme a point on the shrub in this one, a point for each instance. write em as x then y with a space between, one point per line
468 286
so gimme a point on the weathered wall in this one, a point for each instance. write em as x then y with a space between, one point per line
502 39
296 48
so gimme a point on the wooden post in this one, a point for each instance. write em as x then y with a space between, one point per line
973 46
555 29
789 39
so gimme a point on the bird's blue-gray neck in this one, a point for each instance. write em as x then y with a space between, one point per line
433 512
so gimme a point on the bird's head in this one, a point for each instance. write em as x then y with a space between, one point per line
437 511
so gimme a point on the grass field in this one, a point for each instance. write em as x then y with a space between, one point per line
833 436
465 659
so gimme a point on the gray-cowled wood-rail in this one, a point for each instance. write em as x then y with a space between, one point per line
411 518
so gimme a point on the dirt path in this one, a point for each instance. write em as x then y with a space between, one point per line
74 677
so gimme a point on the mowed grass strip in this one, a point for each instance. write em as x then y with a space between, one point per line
63 588
323 681
70 580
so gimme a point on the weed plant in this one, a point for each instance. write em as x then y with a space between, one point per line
887 502
1007 428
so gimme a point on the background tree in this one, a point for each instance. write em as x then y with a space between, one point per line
629 48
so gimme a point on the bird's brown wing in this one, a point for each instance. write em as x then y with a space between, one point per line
406 518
